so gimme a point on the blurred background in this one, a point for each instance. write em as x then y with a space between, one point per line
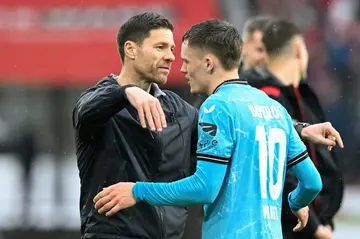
52 50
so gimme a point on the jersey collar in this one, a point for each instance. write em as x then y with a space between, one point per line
232 81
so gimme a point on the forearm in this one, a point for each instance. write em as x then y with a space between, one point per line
201 188
308 187
99 104
287 215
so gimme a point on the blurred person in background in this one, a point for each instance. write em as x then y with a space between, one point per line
255 58
284 52
254 54
128 129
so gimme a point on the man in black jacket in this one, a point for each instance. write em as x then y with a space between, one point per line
286 56
114 142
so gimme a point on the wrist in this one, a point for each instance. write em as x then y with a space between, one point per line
292 204
125 88
137 192
300 126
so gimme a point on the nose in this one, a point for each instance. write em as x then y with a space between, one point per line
183 68
169 56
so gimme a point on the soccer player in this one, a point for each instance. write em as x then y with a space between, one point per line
246 144
286 58
128 129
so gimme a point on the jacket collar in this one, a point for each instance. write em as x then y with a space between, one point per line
156 91
154 88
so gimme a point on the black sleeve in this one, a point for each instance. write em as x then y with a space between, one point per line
299 126
97 105
313 223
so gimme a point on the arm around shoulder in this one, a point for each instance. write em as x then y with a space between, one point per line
97 105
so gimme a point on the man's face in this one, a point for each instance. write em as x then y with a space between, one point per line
154 57
254 54
194 68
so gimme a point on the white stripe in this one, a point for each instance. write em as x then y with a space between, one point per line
302 157
214 159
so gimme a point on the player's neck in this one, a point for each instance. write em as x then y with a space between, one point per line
285 72
127 77
221 77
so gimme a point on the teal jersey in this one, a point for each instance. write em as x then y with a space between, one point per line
253 135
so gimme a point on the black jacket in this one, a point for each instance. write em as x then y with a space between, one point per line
112 147
303 105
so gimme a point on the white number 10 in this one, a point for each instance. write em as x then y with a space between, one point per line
267 160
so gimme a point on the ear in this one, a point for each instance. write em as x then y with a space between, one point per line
209 64
130 49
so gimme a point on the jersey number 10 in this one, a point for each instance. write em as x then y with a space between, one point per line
268 158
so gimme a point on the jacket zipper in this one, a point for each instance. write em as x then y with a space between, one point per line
162 234
174 119
161 224
158 140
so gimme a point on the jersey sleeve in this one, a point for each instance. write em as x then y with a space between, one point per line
296 151
215 134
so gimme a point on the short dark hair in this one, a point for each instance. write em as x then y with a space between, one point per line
257 23
138 27
278 34
220 38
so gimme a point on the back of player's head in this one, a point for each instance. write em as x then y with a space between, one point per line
138 27
218 37
278 35
257 23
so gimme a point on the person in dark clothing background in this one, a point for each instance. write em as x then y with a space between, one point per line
284 52
114 142
254 54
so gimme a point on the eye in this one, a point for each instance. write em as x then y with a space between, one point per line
160 47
